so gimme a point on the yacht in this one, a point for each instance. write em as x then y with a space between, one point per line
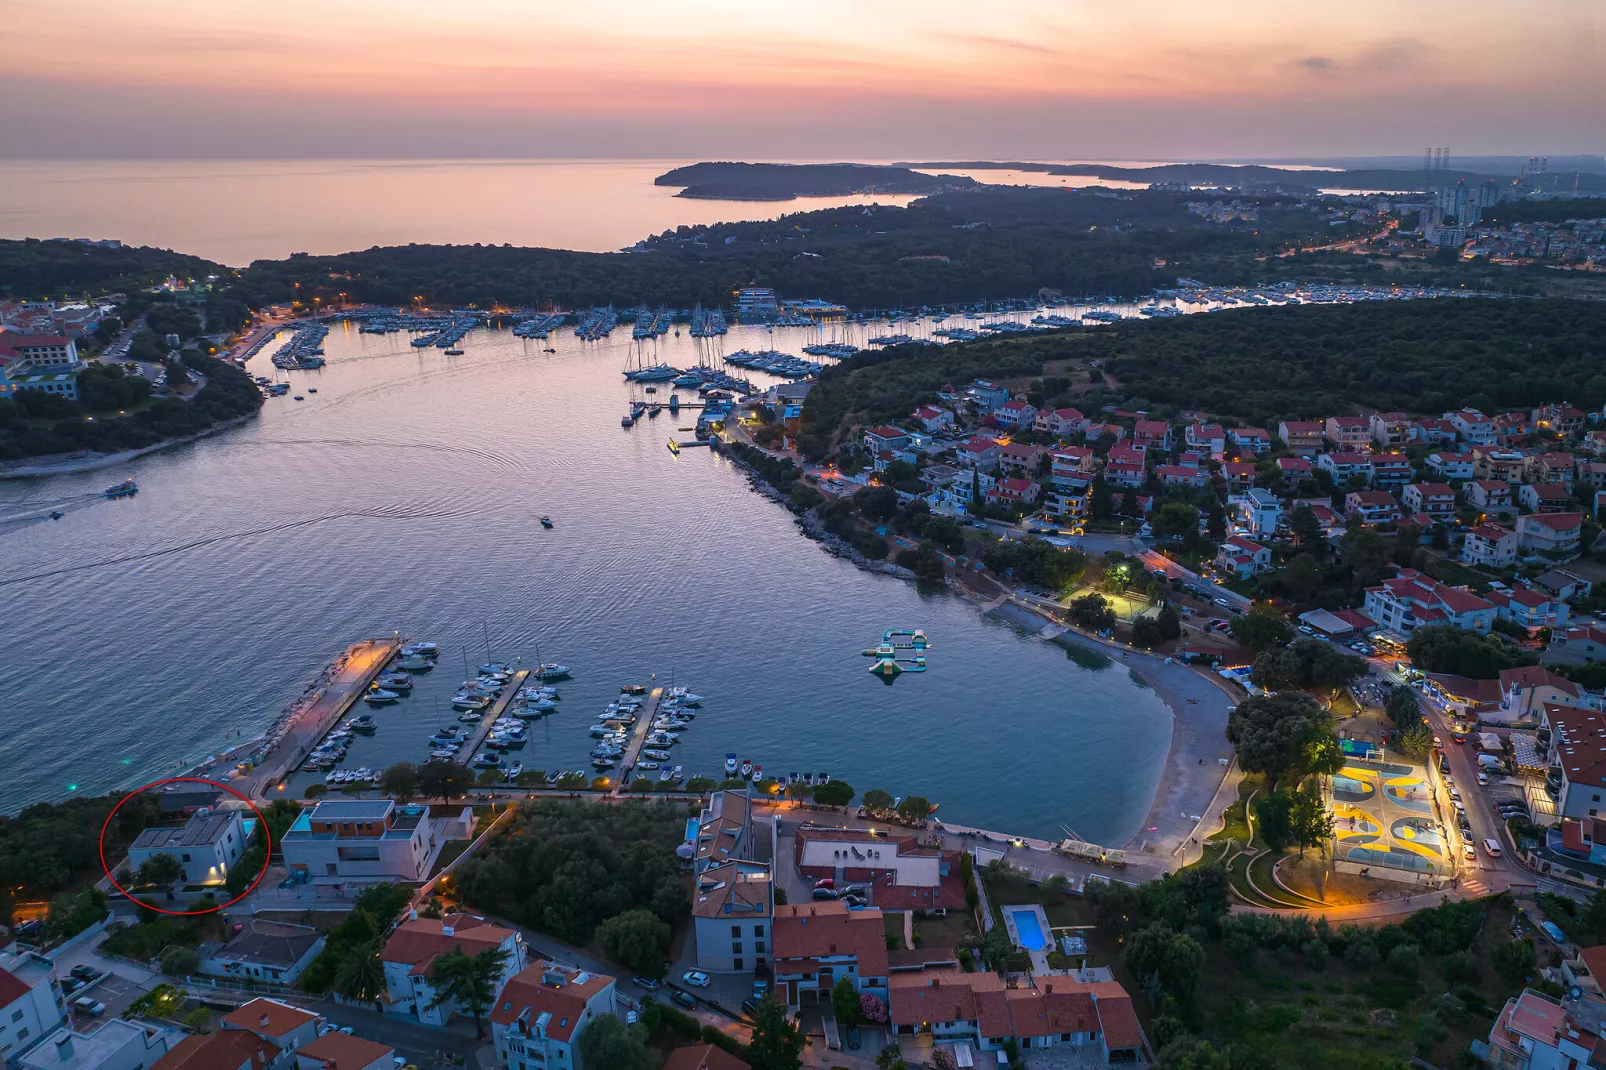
488 760
429 649
683 696
396 681
470 702
123 489
416 663
657 755
512 772
747 769
378 696
363 722
550 670
730 764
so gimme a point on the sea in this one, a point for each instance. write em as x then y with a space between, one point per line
402 495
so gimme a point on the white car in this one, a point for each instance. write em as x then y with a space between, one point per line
696 978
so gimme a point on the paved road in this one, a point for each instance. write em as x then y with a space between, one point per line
1155 561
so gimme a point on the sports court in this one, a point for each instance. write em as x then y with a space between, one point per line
1383 816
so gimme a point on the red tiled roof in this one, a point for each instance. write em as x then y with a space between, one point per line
12 988
418 941
827 930
888 431
1435 490
1491 532
342 1051
528 995
227 1049
1556 521
1117 1019
703 1057
269 1017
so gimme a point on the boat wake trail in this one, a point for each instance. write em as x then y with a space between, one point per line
397 512
42 510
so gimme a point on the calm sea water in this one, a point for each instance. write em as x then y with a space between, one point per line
143 634
236 211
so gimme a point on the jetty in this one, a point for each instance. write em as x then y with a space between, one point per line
638 736
466 752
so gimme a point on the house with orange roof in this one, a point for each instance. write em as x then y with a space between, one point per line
414 945
1530 609
703 1057
1412 600
896 871
819 943
1490 546
732 910
540 1013
285 1027
1303 437
1555 536
227 1049
1538 1032
342 1051
1156 433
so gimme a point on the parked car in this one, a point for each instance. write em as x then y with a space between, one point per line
86 973
1483 777
646 982
825 882
750 1005
855 900
685 999
695 978
91 1007
69 985
760 989
1469 853
824 893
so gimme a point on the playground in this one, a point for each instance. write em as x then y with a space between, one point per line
1383 819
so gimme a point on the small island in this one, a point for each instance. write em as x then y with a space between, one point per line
785 182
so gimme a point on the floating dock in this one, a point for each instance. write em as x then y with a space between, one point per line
638 735
466 752
359 666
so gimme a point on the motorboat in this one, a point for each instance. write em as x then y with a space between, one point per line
633 689
758 773
603 763
416 663
513 734
363 722
680 773
443 737
488 760
492 668
395 681
378 696
730 764
661 739
747 769
550 670
666 774
600 730
546 522
463 701
646 765
443 754
656 754
429 649
683 696
540 705
512 772
122 490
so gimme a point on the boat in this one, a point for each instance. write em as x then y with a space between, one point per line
683 696
680 773
758 773
550 670
603 763
363 722
416 663
633 689
546 522
395 681
378 696
627 420
454 352
657 755
443 754
730 764
488 760
444 737
428 649
646 765
123 489
747 769
470 702
492 669
666 773
56 514
512 772
661 739
312 390
298 397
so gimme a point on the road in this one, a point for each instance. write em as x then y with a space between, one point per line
1155 561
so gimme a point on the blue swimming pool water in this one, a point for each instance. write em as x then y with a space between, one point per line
1031 933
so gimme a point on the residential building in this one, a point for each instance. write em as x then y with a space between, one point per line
1294 469
1473 426
44 362
1249 439
1537 1032
31 1003
1343 467
1390 429
1582 643
1019 457
206 845
1256 510
933 419
1069 497
1589 475
342 1051
1191 459
1304 437
1530 609
1435 499
1392 470
1156 433
896 871
1015 414
1528 693
732 914
1011 491
1490 546
118 1044
819 943
227 1049
539 1015
1125 475
1124 454
1061 423
1554 535
1577 765
1238 474
1348 434
1512 427
288 1029
1555 467
1447 464
724 830
1180 475
272 951
981 1009
1411 600
987 396
885 437
978 453
1563 584
1492 497
1372 506
1207 438
1495 463
940 475
703 1057
414 945
1433 431
1560 417
1072 461
340 840
1545 497
1243 557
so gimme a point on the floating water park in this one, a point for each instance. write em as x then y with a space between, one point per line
901 650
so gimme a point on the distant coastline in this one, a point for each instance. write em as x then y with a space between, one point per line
727 181
88 460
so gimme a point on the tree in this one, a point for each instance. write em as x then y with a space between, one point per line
1175 519
1170 623
180 962
1146 633
1274 810
1273 732
177 374
1262 628
444 778
606 1042
1513 959
845 1001
1416 742
1300 575
1447 649
834 793
1100 505
636 938
160 871
467 982
1312 823
777 1042
1093 612
360 973
1167 962
1403 708
1307 530
400 781
914 808
876 799
1215 520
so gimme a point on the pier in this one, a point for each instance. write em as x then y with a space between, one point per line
466 752
638 736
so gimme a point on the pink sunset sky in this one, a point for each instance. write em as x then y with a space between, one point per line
872 79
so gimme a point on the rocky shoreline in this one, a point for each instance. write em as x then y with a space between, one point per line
88 461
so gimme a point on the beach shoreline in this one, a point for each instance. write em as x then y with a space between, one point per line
88 461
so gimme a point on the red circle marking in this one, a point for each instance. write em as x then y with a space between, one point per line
262 822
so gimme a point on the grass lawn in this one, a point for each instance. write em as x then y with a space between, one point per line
449 854
956 930
1456 574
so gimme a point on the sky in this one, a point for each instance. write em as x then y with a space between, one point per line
805 79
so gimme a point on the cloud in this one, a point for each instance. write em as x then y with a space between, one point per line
1316 63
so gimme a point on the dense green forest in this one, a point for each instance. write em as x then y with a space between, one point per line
36 424
1545 211
784 181
51 846
952 248
33 269
1262 364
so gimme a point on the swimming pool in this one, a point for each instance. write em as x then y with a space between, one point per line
1030 933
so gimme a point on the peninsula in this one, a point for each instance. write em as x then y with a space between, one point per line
785 182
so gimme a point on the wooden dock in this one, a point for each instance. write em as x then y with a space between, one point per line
466 752
642 727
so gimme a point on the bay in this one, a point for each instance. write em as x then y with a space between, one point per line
144 634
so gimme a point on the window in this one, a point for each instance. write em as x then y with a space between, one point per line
758 931
736 930
759 946
184 858
16 1016
23 1032
736 964
736 947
